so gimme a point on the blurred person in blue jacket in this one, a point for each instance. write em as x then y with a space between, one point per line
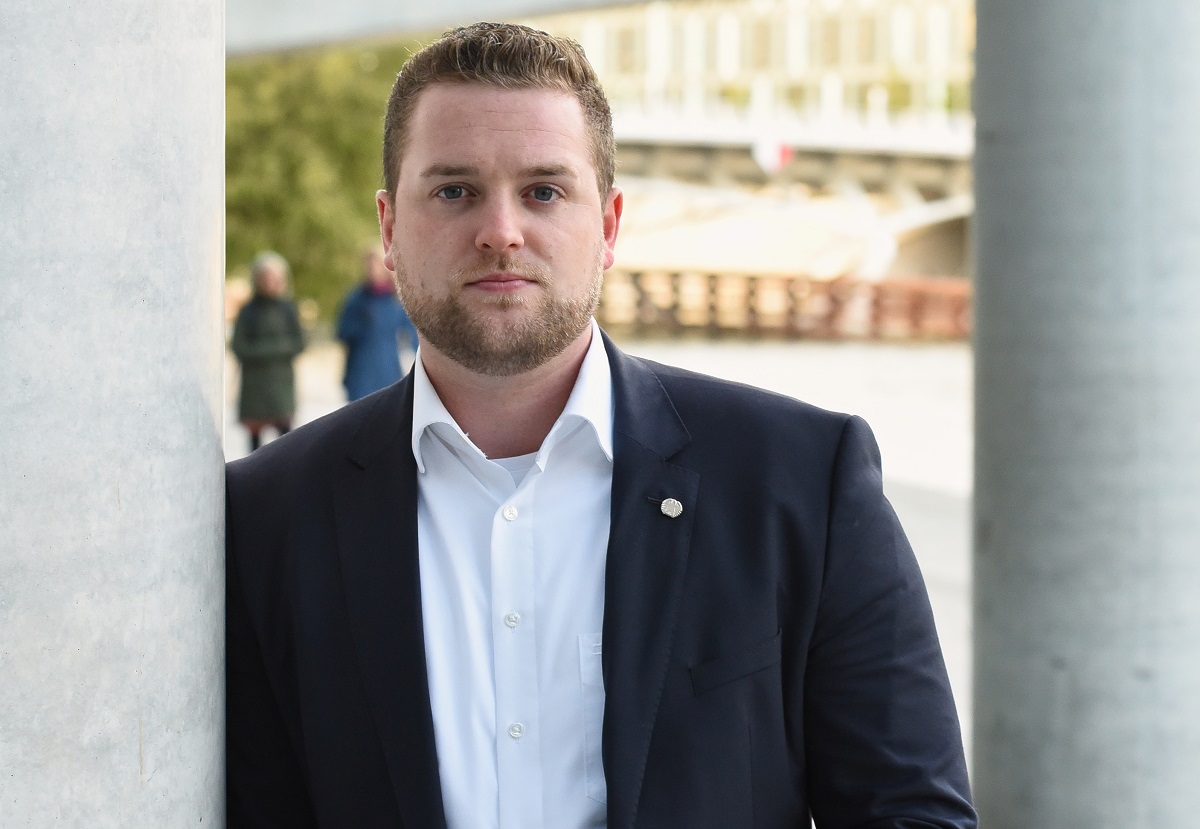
374 326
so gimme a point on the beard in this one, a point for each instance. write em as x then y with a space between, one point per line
519 334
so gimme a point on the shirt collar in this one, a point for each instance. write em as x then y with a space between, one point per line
591 402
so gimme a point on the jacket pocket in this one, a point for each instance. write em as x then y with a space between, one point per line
725 669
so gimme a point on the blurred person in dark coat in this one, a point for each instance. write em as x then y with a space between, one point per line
266 339
374 325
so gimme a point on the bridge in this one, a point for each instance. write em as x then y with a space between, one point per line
928 160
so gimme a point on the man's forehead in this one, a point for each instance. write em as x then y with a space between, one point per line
470 102
466 129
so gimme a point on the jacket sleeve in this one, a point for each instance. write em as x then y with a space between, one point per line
882 737
265 784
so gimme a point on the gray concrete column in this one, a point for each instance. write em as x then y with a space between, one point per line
1087 567
111 498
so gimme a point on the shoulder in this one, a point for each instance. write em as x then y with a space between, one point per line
248 310
312 456
354 297
749 441
715 409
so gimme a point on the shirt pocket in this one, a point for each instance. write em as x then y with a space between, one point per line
591 684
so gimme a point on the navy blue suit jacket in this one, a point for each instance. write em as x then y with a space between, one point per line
768 654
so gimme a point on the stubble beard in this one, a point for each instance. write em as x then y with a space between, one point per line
506 341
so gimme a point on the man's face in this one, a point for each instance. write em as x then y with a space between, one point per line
271 281
498 235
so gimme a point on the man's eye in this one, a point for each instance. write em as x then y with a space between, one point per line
452 192
544 193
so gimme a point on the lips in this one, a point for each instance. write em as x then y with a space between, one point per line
501 277
501 281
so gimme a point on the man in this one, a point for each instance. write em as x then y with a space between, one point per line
539 583
372 325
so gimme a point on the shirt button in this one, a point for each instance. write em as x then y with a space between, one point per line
516 730
512 619
510 512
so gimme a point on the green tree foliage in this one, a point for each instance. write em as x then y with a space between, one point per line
302 161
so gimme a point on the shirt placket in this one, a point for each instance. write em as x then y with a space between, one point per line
518 732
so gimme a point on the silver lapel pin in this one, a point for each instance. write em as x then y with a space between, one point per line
671 508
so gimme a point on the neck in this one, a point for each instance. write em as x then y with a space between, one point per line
506 416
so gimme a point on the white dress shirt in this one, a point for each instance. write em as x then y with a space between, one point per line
512 555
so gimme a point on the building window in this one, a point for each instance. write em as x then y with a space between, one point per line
627 50
831 41
868 46
761 45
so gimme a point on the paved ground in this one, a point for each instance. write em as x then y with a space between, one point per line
917 399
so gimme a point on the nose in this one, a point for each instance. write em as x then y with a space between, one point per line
500 227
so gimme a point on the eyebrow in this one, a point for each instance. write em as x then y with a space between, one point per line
551 171
539 171
448 170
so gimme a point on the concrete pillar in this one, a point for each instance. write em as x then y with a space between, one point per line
1087 567
111 498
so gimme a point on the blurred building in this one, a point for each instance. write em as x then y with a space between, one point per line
809 140
869 62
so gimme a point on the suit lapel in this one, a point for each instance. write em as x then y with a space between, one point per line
376 515
647 557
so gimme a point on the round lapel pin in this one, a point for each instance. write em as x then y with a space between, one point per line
672 508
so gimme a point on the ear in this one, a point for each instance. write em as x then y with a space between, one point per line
613 206
387 225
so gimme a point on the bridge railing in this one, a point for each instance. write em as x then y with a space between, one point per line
652 303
